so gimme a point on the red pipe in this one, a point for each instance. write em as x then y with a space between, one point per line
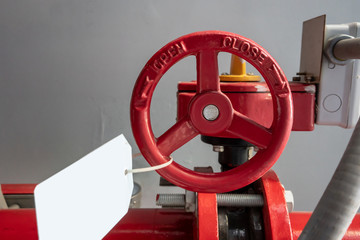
154 224
149 224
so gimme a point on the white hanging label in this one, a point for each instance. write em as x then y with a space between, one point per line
86 199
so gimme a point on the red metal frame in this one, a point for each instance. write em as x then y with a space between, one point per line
207 216
206 46
275 213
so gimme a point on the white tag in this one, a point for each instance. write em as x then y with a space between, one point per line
86 199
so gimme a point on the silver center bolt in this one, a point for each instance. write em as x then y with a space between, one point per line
211 112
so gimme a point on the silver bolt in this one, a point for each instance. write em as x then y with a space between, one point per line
289 197
170 200
135 196
14 206
240 200
211 112
190 199
223 199
217 148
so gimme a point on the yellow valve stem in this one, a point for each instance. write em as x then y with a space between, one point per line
238 72
237 66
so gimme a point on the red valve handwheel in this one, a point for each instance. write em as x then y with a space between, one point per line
206 46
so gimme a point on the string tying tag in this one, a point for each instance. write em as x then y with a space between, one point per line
148 169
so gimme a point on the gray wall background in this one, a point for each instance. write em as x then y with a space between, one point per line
67 69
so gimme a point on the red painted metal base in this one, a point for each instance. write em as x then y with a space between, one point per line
163 224
149 224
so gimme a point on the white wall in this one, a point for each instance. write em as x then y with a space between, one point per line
67 69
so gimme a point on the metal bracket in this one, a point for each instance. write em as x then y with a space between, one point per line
312 45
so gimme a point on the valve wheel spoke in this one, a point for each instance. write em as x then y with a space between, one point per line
176 136
207 71
250 131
